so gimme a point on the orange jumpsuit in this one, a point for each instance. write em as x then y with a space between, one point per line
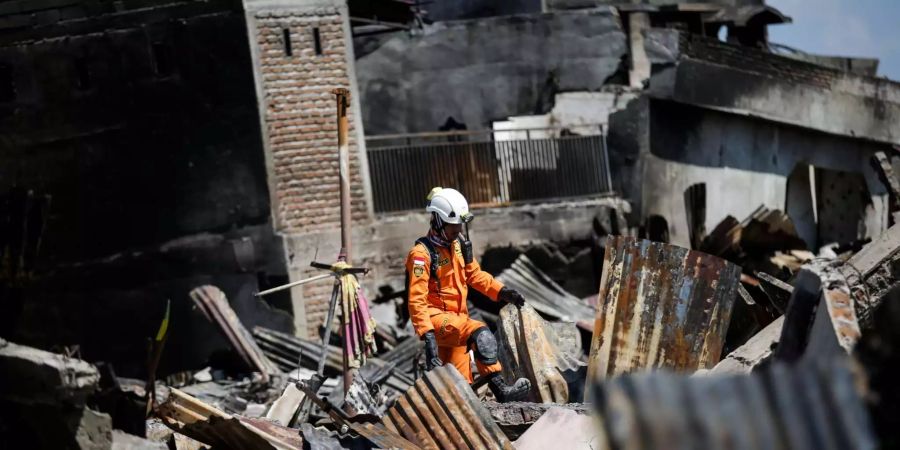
448 314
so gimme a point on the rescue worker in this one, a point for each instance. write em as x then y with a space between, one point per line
441 268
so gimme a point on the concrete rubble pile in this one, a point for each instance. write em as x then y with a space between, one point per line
659 368
694 231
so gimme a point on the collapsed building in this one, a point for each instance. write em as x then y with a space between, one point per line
151 148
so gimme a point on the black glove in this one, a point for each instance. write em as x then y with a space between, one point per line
465 246
431 351
511 296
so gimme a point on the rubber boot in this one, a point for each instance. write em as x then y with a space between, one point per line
509 393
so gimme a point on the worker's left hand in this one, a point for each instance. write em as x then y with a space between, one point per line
511 296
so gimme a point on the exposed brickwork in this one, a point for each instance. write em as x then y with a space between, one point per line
302 130
757 61
300 117
316 297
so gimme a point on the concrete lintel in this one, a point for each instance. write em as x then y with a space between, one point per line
849 108
291 5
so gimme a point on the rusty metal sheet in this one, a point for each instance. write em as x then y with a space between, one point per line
212 303
797 407
661 306
541 351
441 411
382 437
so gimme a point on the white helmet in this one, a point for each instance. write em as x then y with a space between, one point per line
449 205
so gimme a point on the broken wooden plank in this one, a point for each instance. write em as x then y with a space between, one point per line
748 299
754 352
787 288
193 418
778 291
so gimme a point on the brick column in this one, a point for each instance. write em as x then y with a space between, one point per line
302 50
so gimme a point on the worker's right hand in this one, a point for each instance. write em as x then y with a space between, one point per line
511 296
431 351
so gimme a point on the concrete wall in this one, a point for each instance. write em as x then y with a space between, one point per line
781 89
745 163
483 70
472 9
570 4
136 156
584 113
131 152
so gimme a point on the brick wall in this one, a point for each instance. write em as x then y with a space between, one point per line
300 117
296 76
757 61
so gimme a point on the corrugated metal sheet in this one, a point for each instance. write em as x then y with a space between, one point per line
540 351
377 433
287 351
661 306
805 406
544 294
442 412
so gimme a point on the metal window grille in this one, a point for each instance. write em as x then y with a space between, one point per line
491 168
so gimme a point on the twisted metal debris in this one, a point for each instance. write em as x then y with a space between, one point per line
540 351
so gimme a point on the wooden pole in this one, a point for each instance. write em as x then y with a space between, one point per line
343 102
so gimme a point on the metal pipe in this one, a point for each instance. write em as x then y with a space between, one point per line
295 283
343 102
332 307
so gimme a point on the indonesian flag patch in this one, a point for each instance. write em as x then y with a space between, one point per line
418 266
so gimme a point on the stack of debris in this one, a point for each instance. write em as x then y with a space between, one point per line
770 252
800 381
